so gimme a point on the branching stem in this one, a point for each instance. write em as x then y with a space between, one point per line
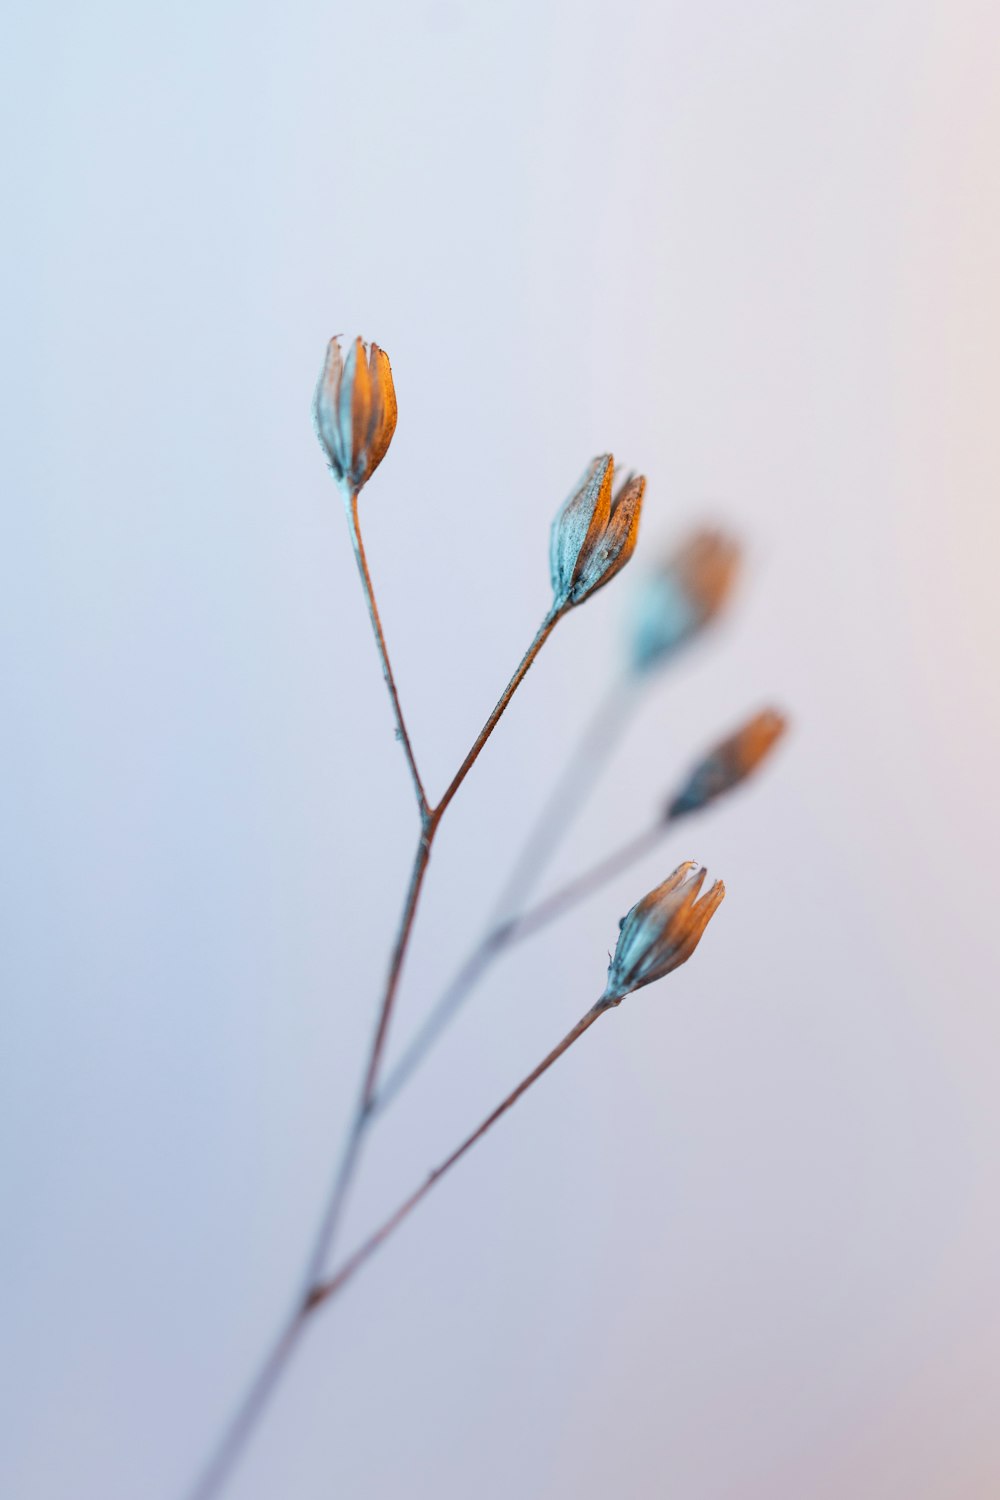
242 1424
495 942
354 1262
586 761
352 1148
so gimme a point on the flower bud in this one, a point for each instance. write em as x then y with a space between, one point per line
661 931
595 532
729 762
688 591
354 410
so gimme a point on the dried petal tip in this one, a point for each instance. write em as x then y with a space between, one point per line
595 532
662 931
687 592
354 410
729 762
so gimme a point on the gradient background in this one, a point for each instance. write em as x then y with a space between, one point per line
743 1243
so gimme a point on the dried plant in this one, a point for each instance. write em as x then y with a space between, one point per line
593 537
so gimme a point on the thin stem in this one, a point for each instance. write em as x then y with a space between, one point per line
354 1262
352 1148
220 1465
544 631
569 793
236 1434
351 501
235 1437
359 1123
576 890
495 942
438 1019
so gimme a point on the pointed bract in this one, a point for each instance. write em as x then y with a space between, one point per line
615 546
356 406
326 402
384 397
662 931
579 522
354 410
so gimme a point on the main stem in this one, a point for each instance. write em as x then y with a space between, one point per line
221 1463
505 935
354 1262
431 822
569 792
236 1434
355 1135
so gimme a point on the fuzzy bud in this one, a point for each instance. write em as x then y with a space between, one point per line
685 594
662 931
595 532
729 762
354 410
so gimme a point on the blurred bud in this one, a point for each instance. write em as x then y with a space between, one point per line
595 532
662 931
354 410
729 762
688 591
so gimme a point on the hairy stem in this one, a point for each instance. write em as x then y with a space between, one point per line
354 1262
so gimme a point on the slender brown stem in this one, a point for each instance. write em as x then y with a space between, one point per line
576 890
544 631
447 1007
356 1133
349 1159
351 501
242 1424
220 1465
224 1458
354 1262
505 935
569 793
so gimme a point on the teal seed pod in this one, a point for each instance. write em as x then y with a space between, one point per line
729 762
662 931
595 532
354 410
684 595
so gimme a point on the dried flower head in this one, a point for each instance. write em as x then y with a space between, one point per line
662 931
729 762
354 410
595 532
686 593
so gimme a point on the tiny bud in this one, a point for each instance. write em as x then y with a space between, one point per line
729 762
662 931
685 594
354 410
595 532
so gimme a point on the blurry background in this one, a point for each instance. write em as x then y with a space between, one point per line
742 1243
